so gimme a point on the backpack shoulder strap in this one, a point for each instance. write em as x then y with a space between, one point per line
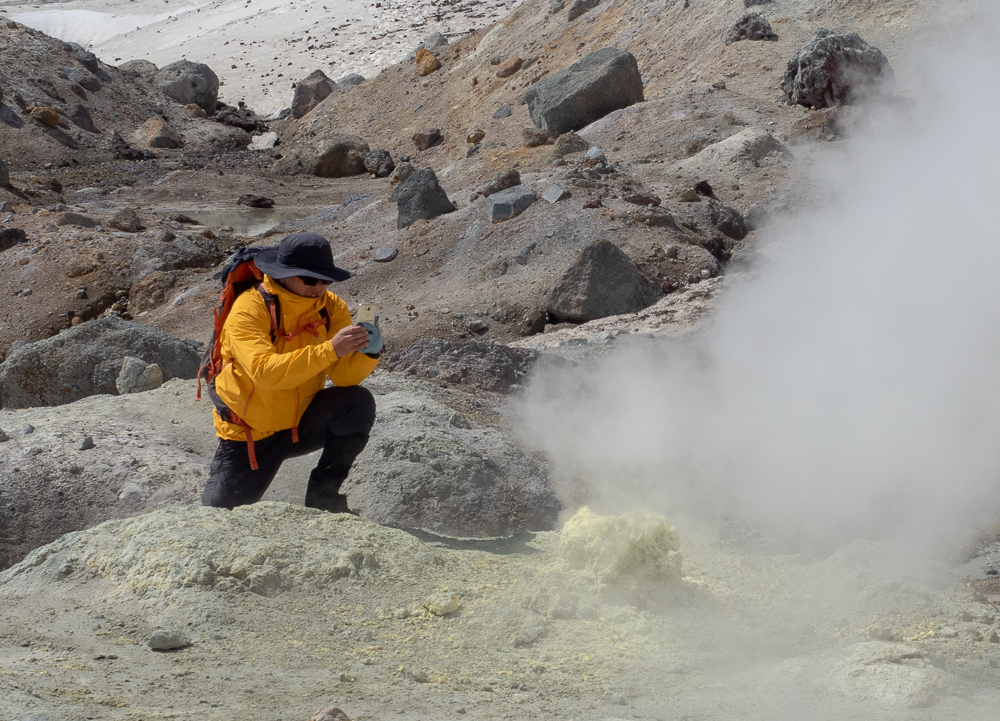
273 309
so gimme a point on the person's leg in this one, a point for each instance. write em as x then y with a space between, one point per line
231 481
338 420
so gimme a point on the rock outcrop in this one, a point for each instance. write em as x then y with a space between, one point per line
752 26
483 364
87 359
602 282
587 90
837 69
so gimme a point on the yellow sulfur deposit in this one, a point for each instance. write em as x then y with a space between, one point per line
631 547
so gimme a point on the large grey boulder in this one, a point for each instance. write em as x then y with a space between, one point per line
752 26
600 83
86 360
4 175
602 282
310 92
338 156
509 203
837 69
579 7
420 196
188 82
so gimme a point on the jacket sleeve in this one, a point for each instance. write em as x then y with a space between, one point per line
354 367
249 333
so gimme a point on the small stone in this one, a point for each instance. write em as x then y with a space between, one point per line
81 294
509 67
503 111
475 135
690 195
477 326
719 85
641 199
126 220
385 254
947 632
131 492
596 155
164 236
509 203
27 430
427 62
426 138
87 443
554 194
194 110
329 714
702 187
45 115
3 436
420 676
163 640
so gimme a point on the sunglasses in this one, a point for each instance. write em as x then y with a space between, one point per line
313 281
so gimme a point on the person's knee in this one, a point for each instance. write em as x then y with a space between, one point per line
363 408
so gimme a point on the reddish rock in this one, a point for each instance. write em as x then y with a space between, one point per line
509 67
427 62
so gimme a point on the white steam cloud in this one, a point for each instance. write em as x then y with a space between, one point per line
849 385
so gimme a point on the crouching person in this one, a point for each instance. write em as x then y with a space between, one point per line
283 336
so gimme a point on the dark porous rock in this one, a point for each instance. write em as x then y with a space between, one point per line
242 118
509 203
568 144
188 82
602 282
501 181
350 79
482 364
579 7
255 201
157 133
121 150
600 83
503 111
310 92
837 69
711 215
9 237
703 187
126 220
427 138
86 359
80 117
339 156
533 137
379 163
420 196
752 26
87 60
4 175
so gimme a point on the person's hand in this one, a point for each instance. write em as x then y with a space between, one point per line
375 342
349 340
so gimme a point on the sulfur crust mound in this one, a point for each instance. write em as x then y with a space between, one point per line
636 547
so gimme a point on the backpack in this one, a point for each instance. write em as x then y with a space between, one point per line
239 274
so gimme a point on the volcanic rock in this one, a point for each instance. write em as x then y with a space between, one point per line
509 67
713 215
81 119
427 62
350 79
483 364
837 69
501 181
255 201
434 41
475 135
84 221
379 163
579 7
504 111
195 111
310 92
509 203
339 156
136 376
87 60
45 115
168 640
420 196
9 237
569 143
602 282
156 133
426 138
142 68
587 90
188 82
751 26
533 137
126 220
554 194
4 175
87 359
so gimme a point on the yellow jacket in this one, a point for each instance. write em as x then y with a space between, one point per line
269 385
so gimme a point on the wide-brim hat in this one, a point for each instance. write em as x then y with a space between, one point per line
307 254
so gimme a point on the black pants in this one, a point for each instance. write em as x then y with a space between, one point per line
337 420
